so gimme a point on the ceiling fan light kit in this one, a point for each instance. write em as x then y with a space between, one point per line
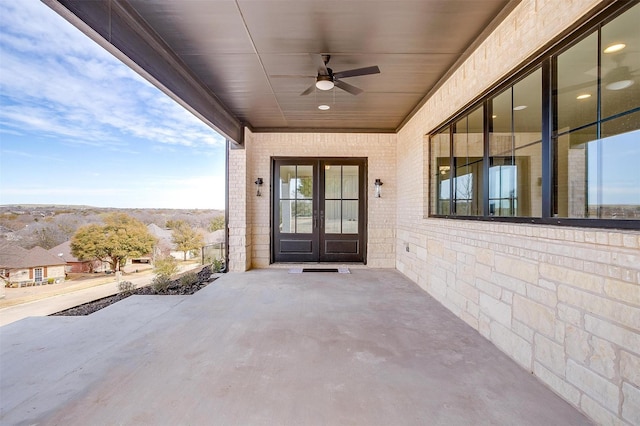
327 79
324 82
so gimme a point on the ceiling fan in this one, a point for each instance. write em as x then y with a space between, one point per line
327 79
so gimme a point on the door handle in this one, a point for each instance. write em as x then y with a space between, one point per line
315 219
321 219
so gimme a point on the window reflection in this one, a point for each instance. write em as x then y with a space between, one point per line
468 150
595 173
617 184
296 194
600 178
577 93
593 118
621 64
440 173
341 199
515 150
573 155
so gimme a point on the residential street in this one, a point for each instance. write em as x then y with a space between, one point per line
25 302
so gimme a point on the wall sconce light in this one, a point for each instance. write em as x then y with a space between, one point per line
378 183
258 183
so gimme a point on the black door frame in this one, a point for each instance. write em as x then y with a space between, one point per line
318 198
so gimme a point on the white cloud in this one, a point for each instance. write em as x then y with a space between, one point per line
59 87
56 80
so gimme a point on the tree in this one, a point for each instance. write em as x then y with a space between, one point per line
216 223
185 238
47 237
173 223
120 238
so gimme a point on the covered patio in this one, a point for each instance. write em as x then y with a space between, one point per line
494 126
369 347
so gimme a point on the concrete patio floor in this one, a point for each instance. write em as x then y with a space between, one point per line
269 348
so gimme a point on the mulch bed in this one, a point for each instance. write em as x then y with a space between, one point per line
174 288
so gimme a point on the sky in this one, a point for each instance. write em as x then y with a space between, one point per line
78 127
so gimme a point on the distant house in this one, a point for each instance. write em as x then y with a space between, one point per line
73 264
19 266
165 245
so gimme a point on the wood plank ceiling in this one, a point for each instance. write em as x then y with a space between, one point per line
253 55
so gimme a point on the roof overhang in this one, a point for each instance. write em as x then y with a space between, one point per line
237 63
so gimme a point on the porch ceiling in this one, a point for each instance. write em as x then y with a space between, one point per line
246 62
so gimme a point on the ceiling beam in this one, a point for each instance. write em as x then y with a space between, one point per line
115 25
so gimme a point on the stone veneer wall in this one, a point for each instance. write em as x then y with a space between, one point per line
563 302
239 232
379 149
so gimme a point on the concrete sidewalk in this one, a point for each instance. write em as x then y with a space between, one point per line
269 348
43 301
50 304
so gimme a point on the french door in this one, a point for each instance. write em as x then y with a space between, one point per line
319 210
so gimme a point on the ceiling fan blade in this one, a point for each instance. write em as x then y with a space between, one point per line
356 72
318 61
309 90
348 87
291 76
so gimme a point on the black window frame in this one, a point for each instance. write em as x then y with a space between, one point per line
546 60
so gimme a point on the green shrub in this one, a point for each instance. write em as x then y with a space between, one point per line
166 266
161 283
188 279
50 281
217 265
126 287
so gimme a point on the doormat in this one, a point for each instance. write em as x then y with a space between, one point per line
301 270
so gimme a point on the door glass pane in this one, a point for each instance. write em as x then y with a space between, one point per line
621 63
350 182
296 183
287 222
350 216
333 215
305 182
287 182
304 216
332 181
577 85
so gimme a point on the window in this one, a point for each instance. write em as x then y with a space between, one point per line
596 134
489 163
37 275
440 181
515 149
